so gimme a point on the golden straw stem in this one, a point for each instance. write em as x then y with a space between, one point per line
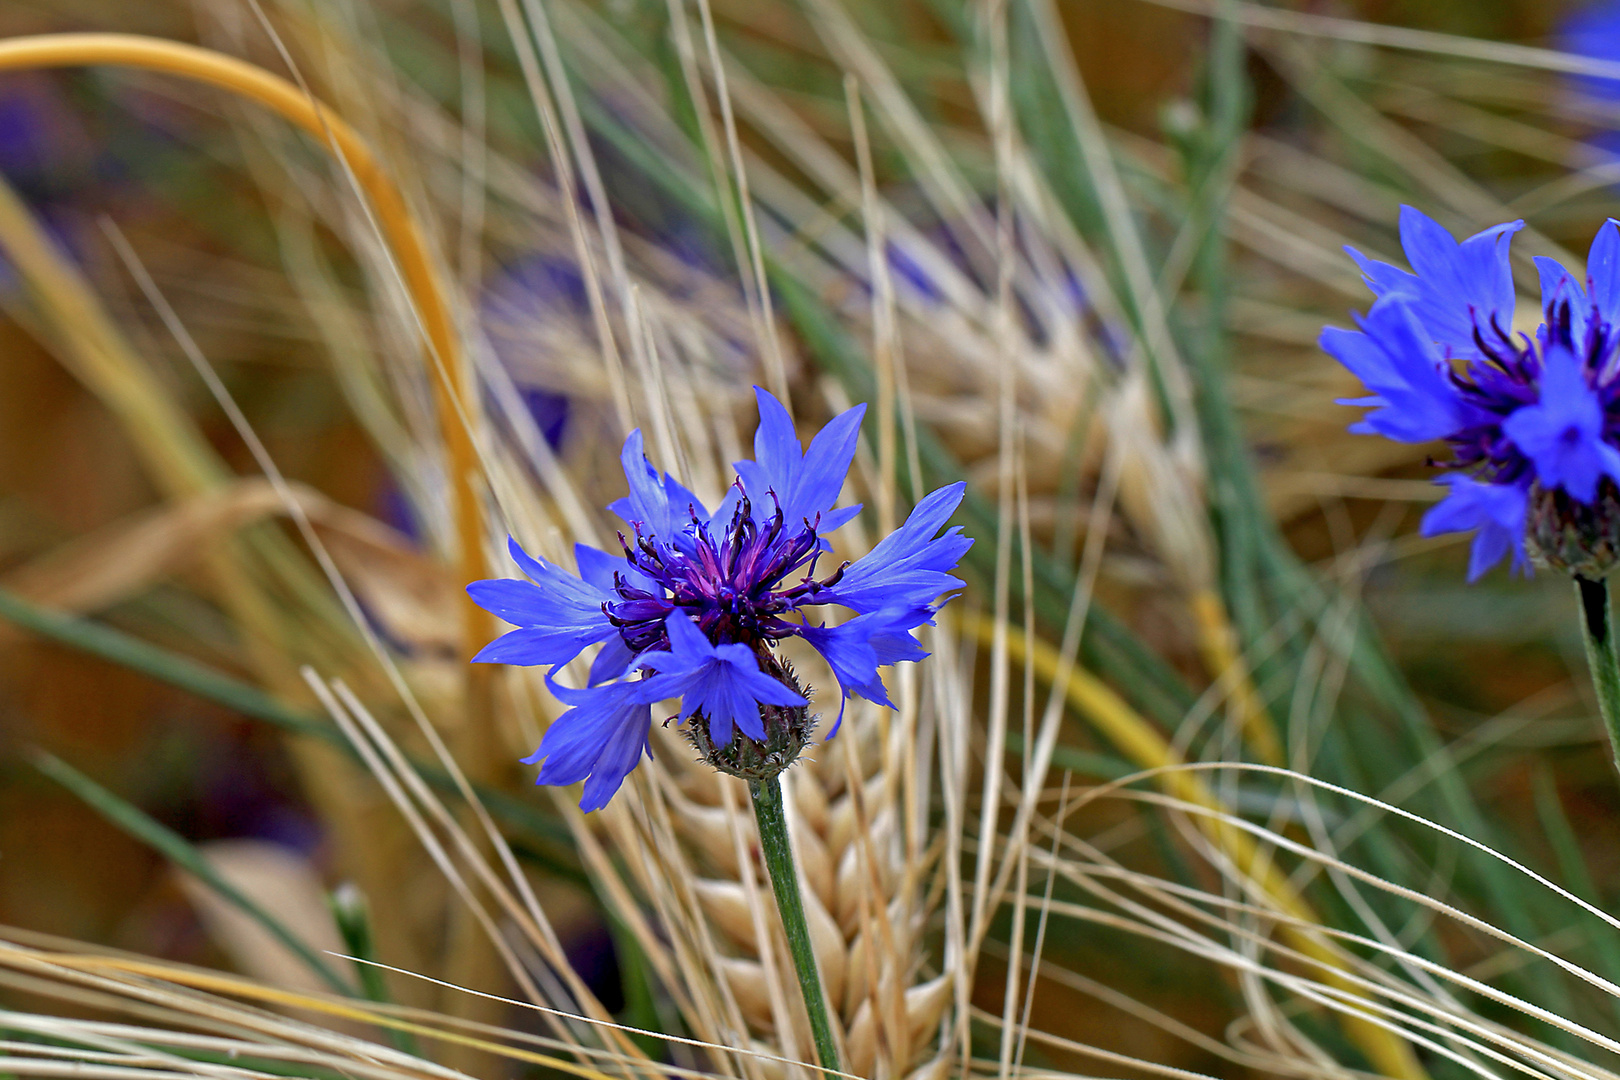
1142 743
452 380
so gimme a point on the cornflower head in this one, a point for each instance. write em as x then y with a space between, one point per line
1533 421
696 603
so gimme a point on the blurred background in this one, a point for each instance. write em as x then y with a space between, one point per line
235 220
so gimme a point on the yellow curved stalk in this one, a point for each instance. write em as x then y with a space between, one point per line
1141 742
1217 646
452 382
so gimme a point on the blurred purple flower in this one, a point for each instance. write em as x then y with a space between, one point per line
1593 30
526 309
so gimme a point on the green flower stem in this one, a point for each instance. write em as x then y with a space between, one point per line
778 850
1602 654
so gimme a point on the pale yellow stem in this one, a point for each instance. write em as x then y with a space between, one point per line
232 987
1217 645
1142 744
452 380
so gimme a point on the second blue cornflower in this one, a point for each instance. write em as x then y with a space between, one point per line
1533 422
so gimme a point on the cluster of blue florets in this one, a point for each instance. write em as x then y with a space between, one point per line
696 603
1533 421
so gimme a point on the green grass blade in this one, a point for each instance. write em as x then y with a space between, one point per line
1078 761
353 917
178 850
1572 867
556 853
159 663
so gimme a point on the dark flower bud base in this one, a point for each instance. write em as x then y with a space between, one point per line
787 732
1582 539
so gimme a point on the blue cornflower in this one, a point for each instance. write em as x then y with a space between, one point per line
1533 422
697 603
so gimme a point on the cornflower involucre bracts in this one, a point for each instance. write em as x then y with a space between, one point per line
1533 422
696 603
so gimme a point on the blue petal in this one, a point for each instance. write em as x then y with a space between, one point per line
821 474
726 702
732 689
848 651
1602 273
620 754
717 714
555 595
1496 510
601 737
806 484
776 442
1381 277
723 681
648 501
560 614
518 602
1458 286
688 646
745 674
532 646
675 669
1395 359
894 643
1562 434
659 506
598 567
721 518
1363 357
569 747
1483 274
682 504
1487 550
856 649
908 567
762 490
1557 285
613 661
835 519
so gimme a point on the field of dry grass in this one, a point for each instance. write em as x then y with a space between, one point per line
1217 767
